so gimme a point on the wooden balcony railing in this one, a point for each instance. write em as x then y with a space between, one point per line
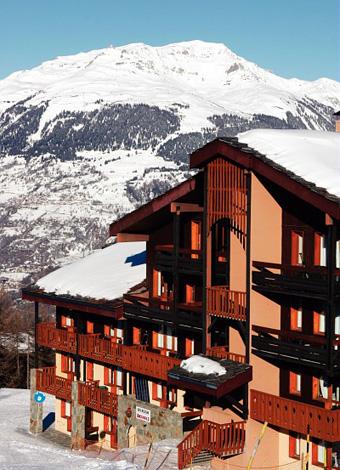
100 349
308 281
49 382
219 439
98 399
292 346
188 261
57 338
139 360
187 314
225 303
221 352
295 416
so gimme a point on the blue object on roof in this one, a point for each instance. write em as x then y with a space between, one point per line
137 259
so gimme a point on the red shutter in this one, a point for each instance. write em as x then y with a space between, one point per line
295 248
89 371
136 335
89 327
317 252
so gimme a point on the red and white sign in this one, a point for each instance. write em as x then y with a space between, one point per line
143 414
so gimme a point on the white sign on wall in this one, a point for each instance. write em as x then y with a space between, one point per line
143 414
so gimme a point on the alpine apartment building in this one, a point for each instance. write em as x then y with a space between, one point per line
216 310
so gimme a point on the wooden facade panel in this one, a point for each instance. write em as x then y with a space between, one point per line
227 196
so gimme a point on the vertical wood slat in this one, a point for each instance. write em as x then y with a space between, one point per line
226 194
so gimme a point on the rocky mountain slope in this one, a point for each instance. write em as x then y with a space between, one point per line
86 138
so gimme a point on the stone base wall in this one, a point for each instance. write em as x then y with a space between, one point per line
164 423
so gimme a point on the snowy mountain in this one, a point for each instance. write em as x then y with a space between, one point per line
86 138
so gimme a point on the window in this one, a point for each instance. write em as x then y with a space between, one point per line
319 323
66 321
337 256
294 383
172 396
320 389
320 250
294 447
157 391
297 254
296 319
67 364
164 341
113 377
157 283
319 455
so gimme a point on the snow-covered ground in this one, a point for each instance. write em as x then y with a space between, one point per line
20 450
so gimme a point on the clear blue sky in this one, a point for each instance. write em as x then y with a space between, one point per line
290 37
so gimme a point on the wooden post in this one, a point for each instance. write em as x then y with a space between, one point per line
36 347
205 231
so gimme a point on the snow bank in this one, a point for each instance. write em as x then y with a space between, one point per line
105 274
202 365
312 155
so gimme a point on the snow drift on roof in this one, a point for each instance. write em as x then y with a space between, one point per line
312 155
202 365
105 274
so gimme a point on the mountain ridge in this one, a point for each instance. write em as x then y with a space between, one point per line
87 137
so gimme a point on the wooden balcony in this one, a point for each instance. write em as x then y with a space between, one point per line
49 382
295 416
136 306
137 359
310 282
100 349
290 346
221 440
188 261
57 338
225 303
97 398
221 352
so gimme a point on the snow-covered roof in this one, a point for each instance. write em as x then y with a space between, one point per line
202 365
105 274
311 155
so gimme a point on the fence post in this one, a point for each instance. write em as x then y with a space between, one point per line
36 409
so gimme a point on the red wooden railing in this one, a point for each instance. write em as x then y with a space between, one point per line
219 439
49 382
222 302
221 352
98 399
295 416
102 349
141 361
58 338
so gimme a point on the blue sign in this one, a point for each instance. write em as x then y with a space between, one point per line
39 397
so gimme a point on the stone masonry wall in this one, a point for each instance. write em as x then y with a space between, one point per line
164 423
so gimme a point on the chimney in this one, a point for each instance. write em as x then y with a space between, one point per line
337 121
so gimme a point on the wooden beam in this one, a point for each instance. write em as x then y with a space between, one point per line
132 237
177 207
